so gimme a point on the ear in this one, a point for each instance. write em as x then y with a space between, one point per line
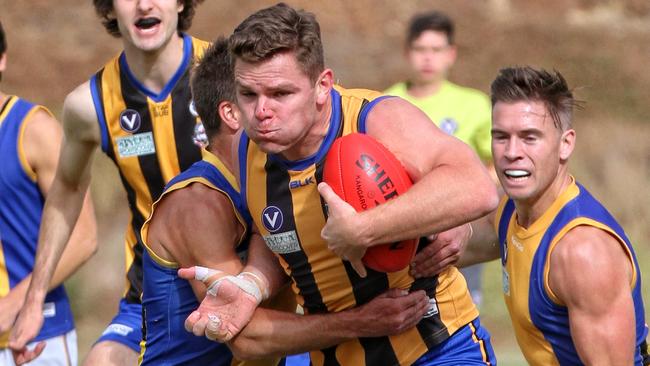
229 114
324 85
567 144
3 62
181 6
452 54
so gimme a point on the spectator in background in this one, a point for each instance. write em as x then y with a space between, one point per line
458 111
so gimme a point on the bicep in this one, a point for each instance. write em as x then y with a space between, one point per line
41 144
416 141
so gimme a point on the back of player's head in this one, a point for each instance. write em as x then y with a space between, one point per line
280 28
432 21
104 8
212 83
524 83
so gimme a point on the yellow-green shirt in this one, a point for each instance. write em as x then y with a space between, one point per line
463 112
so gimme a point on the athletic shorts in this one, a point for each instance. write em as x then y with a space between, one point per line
59 351
470 345
126 326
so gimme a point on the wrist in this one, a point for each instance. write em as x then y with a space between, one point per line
363 230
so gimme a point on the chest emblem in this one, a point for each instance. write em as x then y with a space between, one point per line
272 218
130 120
449 125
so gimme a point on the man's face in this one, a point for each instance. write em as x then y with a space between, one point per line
147 24
431 56
529 151
279 104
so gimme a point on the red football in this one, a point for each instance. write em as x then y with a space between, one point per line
365 174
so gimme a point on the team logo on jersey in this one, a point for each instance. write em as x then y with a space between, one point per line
449 125
192 108
505 251
433 308
272 218
130 120
283 243
136 145
200 138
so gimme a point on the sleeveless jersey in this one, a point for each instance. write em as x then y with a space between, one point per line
21 206
168 300
286 207
541 324
149 137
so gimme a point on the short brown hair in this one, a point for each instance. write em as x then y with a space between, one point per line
3 44
104 7
432 21
212 82
280 28
515 84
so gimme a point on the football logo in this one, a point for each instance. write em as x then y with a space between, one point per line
272 218
130 120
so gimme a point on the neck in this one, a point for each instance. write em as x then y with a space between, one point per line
421 89
529 211
155 68
221 147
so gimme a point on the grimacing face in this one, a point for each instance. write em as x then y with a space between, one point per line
529 152
430 56
147 25
282 109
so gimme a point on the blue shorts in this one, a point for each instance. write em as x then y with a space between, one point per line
126 326
470 345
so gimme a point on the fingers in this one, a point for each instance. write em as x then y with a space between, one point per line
187 273
198 329
359 268
214 331
25 355
328 194
191 320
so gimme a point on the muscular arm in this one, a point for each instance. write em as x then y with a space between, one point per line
483 246
62 207
451 185
278 333
591 274
41 145
196 226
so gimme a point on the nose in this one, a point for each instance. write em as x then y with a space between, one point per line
144 5
262 110
513 149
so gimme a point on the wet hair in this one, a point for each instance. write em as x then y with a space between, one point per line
432 21
103 8
524 83
212 82
3 44
280 28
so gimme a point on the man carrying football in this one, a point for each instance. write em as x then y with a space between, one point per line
292 112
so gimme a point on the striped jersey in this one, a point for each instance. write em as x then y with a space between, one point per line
150 137
288 211
21 207
541 324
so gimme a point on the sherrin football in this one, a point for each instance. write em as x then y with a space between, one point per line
365 174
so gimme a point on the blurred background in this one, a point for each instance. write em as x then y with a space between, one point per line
602 47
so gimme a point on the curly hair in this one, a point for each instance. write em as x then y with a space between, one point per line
104 7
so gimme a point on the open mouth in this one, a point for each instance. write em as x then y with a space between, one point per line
147 23
516 174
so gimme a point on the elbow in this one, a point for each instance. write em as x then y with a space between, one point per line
486 199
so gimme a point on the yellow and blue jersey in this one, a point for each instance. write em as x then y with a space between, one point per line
285 206
167 299
151 138
541 323
21 207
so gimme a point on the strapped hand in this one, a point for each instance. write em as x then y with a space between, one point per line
228 305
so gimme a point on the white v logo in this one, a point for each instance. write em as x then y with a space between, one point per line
270 220
129 122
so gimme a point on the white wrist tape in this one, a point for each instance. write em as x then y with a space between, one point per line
254 286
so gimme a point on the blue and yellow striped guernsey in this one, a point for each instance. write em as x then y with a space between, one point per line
285 205
21 206
149 137
541 324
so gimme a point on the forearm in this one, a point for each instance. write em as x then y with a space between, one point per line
262 262
427 208
273 333
61 211
482 246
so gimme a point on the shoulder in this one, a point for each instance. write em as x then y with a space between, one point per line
79 116
195 201
587 259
